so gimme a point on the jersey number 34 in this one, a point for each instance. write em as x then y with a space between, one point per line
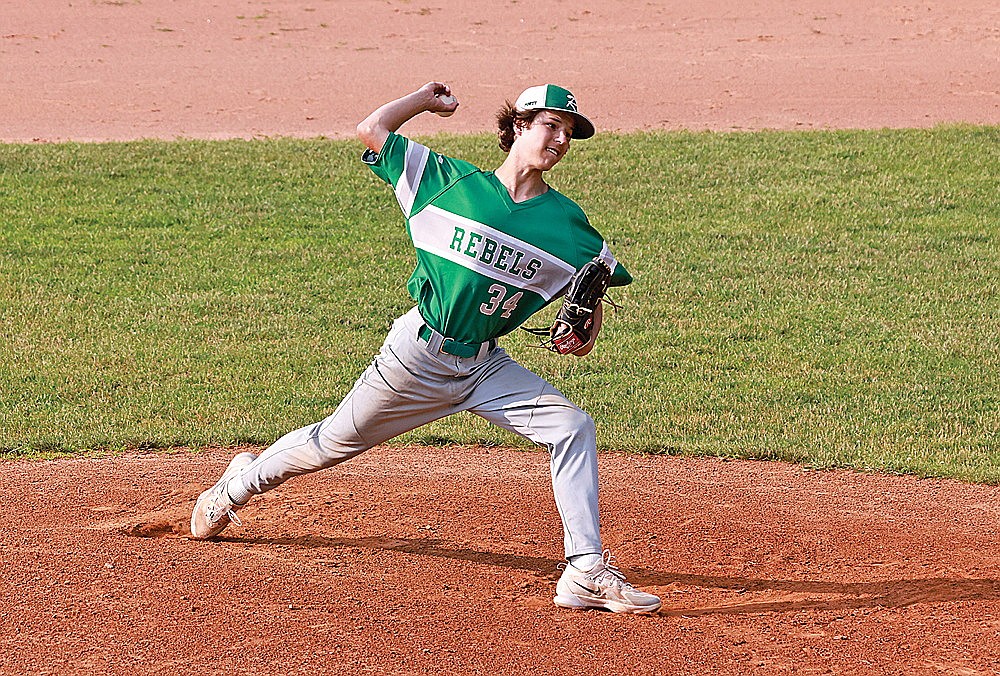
496 301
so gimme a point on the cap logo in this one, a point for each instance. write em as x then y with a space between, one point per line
554 97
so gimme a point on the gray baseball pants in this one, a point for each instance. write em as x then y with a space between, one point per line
412 382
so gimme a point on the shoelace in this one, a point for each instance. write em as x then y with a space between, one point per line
215 514
609 569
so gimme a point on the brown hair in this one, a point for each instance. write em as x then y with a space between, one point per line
507 118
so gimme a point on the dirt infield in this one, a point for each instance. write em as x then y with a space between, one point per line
443 560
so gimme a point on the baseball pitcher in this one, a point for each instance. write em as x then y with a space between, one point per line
492 249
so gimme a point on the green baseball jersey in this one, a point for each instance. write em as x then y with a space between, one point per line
484 263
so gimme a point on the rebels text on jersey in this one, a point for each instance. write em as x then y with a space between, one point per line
491 252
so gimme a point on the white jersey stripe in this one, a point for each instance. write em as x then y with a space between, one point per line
413 171
608 257
489 252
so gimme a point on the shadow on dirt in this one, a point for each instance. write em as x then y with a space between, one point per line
836 596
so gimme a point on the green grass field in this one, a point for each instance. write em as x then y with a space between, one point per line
829 298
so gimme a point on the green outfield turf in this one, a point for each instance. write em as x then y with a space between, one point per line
829 298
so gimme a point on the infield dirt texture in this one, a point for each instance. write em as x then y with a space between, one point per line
443 560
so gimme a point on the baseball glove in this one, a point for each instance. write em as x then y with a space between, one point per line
574 322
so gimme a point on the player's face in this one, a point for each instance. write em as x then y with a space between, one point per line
546 139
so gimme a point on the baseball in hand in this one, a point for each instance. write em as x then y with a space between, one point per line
447 100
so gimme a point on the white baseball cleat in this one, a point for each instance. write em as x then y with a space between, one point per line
603 586
214 510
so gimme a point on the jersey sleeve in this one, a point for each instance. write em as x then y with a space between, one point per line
416 173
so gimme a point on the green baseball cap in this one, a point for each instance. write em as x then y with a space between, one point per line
554 97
